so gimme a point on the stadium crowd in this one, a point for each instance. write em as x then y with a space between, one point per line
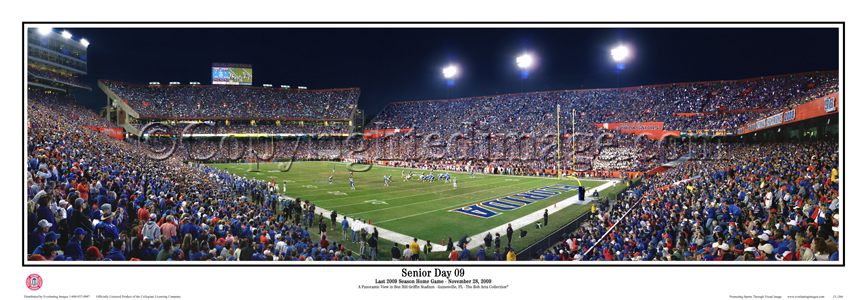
220 127
762 202
723 120
536 112
220 101
774 92
600 149
92 197
822 86
95 198
77 114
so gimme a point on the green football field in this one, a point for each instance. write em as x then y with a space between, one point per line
414 208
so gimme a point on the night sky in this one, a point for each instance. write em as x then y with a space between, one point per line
406 64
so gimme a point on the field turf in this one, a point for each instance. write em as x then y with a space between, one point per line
414 208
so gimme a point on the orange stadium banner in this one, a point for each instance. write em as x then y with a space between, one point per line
112 132
826 105
378 133
652 130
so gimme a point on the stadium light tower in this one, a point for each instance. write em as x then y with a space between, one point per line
84 43
619 54
66 34
523 63
44 30
449 73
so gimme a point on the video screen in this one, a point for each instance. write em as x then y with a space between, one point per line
231 75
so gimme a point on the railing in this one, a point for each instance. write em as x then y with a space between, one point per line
120 102
131 129
536 249
589 250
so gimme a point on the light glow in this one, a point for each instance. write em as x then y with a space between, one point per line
524 61
619 53
66 34
450 71
44 30
84 42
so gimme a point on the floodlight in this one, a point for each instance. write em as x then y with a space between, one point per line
450 71
619 53
84 42
44 30
66 34
524 61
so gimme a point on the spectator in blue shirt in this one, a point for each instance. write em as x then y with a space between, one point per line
465 253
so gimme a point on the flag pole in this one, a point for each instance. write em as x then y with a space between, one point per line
559 176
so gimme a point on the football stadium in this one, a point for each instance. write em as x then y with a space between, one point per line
701 171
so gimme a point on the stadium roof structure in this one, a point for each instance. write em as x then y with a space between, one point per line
55 59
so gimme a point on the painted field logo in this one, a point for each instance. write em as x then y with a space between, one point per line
486 209
34 282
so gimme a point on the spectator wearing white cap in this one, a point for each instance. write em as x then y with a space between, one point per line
767 250
37 237
725 254
61 209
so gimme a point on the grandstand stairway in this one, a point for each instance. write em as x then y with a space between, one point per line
131 129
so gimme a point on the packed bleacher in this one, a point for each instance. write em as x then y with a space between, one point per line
717 105
91 197
65 79
236 102
266 148
95 198
77 114
821 87
536 112
761 202
725 120
219 128
774 92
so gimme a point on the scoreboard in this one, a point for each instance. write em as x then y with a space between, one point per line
232 74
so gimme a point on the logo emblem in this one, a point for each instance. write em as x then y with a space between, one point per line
34 282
